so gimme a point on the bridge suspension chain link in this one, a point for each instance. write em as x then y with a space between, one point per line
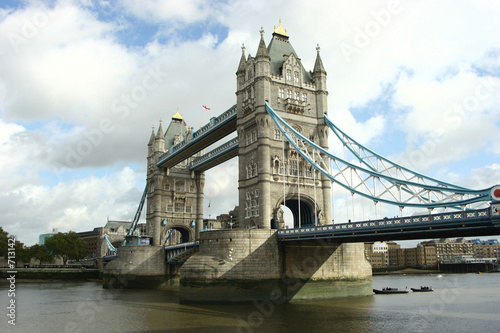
396 185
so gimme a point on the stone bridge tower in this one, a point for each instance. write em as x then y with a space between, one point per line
271 173
175 195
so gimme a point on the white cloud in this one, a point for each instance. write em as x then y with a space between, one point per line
164 10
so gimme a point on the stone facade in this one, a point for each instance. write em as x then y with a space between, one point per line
175 195
270 171
136 267
248 265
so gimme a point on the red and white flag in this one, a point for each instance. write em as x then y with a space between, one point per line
205 107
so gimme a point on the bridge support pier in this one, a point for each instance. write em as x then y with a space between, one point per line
136 267
251 265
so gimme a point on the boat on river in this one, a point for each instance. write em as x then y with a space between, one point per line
389 290
422 289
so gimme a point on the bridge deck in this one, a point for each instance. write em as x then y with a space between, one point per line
218 128
217 156
467 223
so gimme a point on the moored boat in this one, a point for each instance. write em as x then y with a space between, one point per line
389 290
422 289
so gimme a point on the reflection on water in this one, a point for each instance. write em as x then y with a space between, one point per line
460 303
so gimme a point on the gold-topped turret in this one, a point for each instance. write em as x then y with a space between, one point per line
177 115
280 30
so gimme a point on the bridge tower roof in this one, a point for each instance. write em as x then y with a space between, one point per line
175 130
280 47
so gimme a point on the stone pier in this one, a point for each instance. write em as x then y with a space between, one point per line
251 265
137 267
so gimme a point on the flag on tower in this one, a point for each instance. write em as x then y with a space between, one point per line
205 107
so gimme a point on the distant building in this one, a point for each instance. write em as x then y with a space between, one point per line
377 254
115 231
229 220
447 248
486 249
429 253
43 237
394 253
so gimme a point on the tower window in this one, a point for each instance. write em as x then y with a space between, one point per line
288 75
297 95
251 136
289 94
304 98
281 93
296 76
252 203
277 134
179 186
179 207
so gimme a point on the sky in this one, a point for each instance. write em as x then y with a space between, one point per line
82 83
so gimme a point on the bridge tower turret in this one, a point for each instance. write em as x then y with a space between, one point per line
271 174
175 195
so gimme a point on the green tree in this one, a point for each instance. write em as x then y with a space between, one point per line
20 251
4 236
67 246
40 252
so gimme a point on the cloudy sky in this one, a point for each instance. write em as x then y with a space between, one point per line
83 82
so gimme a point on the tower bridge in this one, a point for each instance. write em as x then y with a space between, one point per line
282 132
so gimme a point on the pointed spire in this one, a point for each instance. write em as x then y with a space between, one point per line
241 66
318 66
262 51
160 131
151 139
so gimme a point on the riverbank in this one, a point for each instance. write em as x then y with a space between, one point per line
50 274
408 271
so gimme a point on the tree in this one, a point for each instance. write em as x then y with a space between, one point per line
40 252
19 251
4 238
67 246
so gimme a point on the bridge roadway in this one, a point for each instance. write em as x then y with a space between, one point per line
216 129
481 222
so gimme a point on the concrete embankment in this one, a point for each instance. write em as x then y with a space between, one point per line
68 274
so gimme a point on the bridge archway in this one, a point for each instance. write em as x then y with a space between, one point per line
177 234
303 211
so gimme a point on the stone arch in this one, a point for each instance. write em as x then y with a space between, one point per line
178 234
308 209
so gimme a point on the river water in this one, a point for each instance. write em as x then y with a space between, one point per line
460 303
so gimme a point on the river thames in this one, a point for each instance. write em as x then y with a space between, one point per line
460 303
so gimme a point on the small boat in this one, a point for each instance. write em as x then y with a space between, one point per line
389 290
422 289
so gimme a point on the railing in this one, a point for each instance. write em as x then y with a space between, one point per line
434 219
174 251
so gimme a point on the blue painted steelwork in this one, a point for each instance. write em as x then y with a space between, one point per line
173 252
486 221
170 232
109 245
133 226
367 160
214 124
448 197
214 154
